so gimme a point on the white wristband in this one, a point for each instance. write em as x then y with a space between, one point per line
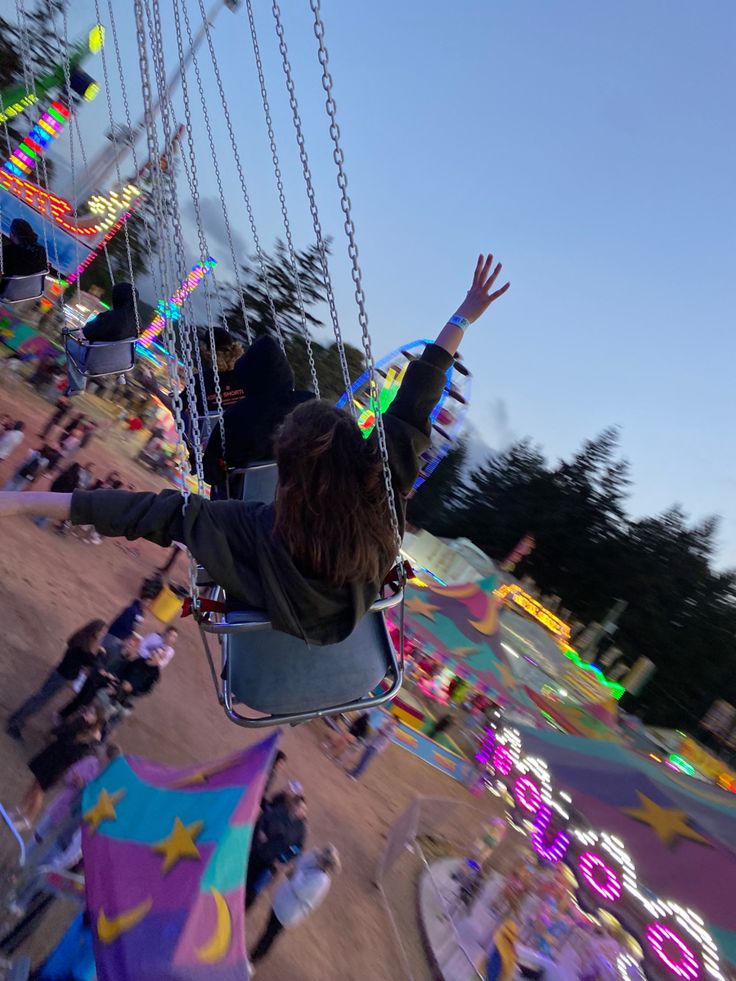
457 321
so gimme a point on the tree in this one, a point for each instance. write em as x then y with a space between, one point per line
681 612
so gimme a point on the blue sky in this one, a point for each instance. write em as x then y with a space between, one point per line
590 145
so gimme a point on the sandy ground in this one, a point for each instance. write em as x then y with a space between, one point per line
49 586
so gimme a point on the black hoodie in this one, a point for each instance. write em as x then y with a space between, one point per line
268 382
117 324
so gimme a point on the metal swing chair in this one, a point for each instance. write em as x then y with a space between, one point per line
280 678
301 682
95 359
17 289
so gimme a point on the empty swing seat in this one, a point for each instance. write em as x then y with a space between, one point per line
101 357
15 289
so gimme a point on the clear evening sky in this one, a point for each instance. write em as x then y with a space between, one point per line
590 145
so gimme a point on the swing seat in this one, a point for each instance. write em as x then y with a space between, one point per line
289 682
19 288
284 678
101 357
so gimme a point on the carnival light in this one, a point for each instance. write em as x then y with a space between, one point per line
170 309
16 108
609 870
534 608
686 965
25 157
527 794
483 756
610 888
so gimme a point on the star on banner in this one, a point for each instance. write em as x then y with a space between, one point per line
179 843
104 809
417 605
668 823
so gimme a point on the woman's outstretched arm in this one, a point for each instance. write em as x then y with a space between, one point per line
43 503
479 297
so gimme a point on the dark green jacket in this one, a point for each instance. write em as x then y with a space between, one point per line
236 544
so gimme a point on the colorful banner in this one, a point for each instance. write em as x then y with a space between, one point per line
24 339
165 855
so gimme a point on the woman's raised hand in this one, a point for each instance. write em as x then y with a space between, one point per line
481 294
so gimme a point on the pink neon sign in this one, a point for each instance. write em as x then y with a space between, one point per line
502 760
528 795
681 961
600 876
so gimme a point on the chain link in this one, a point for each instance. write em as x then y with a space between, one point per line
193 182
282 197
241 177
218 176
357 276
314 211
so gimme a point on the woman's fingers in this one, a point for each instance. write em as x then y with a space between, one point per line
492 278
478 268
495 296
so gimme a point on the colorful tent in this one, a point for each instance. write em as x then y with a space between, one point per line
165 854
460 626
680 832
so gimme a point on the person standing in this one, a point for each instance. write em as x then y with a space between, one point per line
11 440
377 745
279 835
82 649
160 642
126 623
299 895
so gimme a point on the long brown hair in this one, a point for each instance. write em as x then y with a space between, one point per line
331 508
83 638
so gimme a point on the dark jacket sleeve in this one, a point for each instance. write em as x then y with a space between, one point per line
220 535
407 421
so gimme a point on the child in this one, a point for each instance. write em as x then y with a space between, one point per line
316 559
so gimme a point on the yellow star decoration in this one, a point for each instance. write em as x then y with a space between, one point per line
417 605
668 823
179 843
104 809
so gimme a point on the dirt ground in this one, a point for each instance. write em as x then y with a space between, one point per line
51 585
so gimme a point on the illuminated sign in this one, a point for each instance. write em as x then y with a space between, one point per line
517 595
676 938
42 134
16 108
106 209
171 308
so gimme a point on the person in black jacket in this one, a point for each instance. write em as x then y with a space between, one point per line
23 255
82 649
316 559
278 836
117 324
251 424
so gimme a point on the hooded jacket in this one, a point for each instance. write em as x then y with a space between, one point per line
117 324
23 260
250 425
236 542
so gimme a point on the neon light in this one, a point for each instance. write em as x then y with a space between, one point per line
680 763
16 108
616 689
502 760
96 39
110 207
609 871
171 308
528 795
686 965
41 136
556 851
517 595
592 868
483 755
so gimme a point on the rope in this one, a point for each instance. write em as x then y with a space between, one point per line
316 223
241 177
357 276
282 198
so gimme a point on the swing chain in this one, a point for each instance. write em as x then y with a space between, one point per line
241 177
282 198
357 276
218 175
316 222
